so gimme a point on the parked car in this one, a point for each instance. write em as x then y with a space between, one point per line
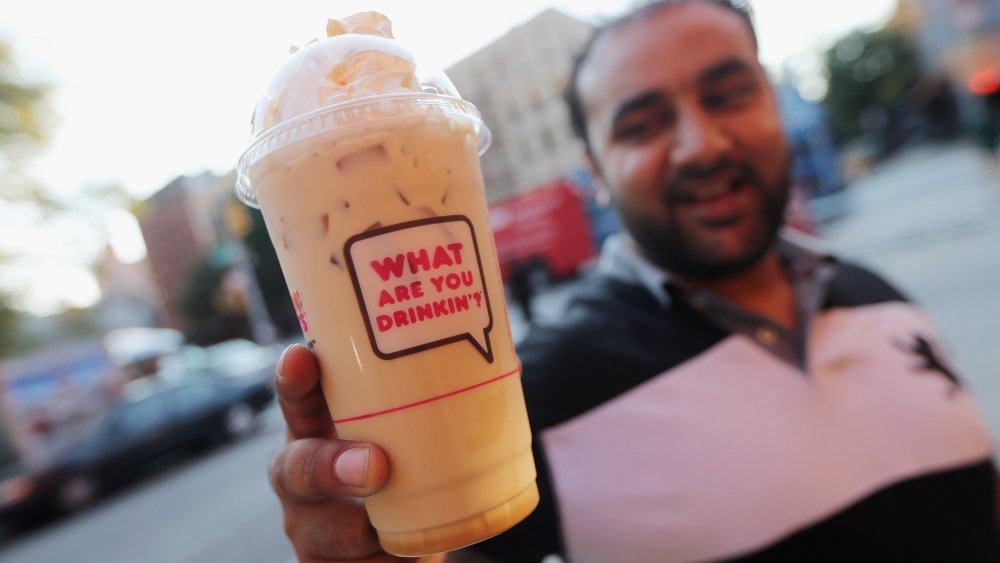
239 359
154 424
25 492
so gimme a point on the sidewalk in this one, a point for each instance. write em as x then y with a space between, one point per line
922 194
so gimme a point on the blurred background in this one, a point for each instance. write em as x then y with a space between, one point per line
142 307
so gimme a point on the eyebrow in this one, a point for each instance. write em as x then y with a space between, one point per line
642 101
723 70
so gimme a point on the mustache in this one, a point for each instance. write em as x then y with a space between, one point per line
684 179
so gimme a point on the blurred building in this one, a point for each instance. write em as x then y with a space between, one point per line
128 294
179 227
816 162
957 38
517 83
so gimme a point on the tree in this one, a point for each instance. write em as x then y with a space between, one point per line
210 315
78 324
269 275
12 338
24 128
869 75
216 298
25 123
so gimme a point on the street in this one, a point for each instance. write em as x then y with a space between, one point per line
216 508
927 220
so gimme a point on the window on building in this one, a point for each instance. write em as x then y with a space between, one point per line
559 79
537 99
499 67
548 140
513 110
527 153
495 161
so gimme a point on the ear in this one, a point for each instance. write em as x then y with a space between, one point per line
602 194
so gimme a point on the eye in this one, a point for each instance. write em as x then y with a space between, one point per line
637 130
641 125
730 95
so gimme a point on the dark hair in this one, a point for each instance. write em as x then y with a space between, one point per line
572 96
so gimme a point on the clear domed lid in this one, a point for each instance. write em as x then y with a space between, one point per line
359 73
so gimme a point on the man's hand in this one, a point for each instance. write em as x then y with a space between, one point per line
320 479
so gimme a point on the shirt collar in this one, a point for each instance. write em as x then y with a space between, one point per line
620 258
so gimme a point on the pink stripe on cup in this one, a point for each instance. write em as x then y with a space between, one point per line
424 401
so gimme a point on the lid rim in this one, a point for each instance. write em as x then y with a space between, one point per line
292 130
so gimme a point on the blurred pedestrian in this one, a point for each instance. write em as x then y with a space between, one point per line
942 111
985 84
522 288
989 127
716 390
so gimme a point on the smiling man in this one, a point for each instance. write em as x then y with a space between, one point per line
717 389
688 135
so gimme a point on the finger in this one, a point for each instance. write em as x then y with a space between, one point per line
334 529
300 396
379 558
314 469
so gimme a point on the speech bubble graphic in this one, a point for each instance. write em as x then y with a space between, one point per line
420 285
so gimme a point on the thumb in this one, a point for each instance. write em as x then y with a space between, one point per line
314 469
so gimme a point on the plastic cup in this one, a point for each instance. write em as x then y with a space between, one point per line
376 207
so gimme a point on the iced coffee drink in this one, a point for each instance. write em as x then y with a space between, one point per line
368 177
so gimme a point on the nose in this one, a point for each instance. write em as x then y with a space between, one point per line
699 140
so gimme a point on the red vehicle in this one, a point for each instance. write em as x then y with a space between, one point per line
545 230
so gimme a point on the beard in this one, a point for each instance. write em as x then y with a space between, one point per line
684 253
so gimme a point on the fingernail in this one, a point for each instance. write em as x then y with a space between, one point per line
281 360
351 467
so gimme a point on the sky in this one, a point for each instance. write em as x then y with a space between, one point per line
145 92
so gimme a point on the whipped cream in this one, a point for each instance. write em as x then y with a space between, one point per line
359 58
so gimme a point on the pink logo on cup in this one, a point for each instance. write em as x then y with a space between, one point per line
420 285
297 301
